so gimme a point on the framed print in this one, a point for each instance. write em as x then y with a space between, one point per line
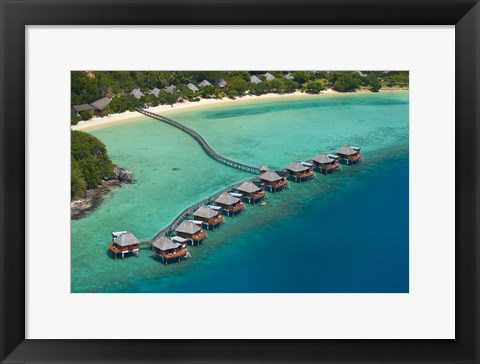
255 181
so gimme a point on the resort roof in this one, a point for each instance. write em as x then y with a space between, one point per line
125 238
170 89
192 87
204 83
188 227
137 93
255 79
270 176
346 150
227 199
323 158
248 187
269 76
164 243
100 104
296 166
155 91
264 168
288 76
222 83
82 107
205 212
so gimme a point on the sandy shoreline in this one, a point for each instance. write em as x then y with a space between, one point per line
130 116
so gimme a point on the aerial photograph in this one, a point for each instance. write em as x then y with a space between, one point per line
267 181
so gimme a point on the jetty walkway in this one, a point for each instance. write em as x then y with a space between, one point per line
210 152
188 211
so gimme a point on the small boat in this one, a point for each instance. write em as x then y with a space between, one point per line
263 203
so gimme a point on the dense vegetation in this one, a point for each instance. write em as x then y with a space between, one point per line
90 86
89 163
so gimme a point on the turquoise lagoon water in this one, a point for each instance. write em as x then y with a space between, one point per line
346 232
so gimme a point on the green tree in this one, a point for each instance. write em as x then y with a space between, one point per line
315 87
237 84
78 185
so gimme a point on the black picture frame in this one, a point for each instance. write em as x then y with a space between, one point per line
16 14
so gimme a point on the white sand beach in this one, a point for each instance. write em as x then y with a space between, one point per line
131 116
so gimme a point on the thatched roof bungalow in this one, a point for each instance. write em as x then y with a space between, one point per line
229 203
252 191
273 180
192 87
300 171
124 242
155 91
326 162
81 108
191 231
167 249
171 89
222 83
209 216
288 76
255 79
137 93
268 76
204 83
99 105
349 154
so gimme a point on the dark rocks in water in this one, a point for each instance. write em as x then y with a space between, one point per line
175 169
122 174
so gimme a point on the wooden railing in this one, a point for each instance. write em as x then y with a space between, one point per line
211 153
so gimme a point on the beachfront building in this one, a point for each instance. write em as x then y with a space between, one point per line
210 216
124 242
82 107
155 91
255 79
288 76
137 93
326 163
230 204
349 154
269 76
300 171
204 83
252 191
99 105
274 180
222 83
170 89
168 250
191 231
192 87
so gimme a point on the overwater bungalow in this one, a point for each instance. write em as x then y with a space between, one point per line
211 218
263 169
269 76
252 191
222 83
99 105
300 171
255 79
274 180
232 205
170 89
169 250
137 93
326 163
349 154
124 242
191 231
192 87
204 83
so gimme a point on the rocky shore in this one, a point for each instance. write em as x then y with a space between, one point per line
94 197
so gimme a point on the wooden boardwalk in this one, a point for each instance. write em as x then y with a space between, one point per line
188 211
211 153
